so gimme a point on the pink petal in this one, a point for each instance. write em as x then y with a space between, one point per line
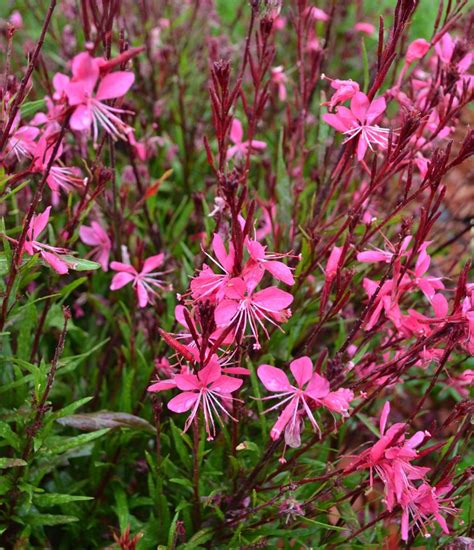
210 373
225 311
370 256
259 145
236 131
142 294
361 148
318 387
359 106
280 271
85 69
384 417
115 85
183 402
440 305
120 266
55 262
60 81
273 299
339 122
39 222
283 419
226 384
121 279
339 401
81 119
275 380
302 370
377 107
226 260
152 263
162 385
89 236
187 382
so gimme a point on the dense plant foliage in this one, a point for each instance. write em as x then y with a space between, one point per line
236 307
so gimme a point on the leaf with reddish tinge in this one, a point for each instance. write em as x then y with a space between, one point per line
90 422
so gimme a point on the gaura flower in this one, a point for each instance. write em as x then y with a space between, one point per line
359 121
311 390
144 282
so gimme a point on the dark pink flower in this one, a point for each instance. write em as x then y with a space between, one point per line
206 389
243 308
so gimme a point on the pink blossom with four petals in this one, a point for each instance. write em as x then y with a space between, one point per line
94 235
144 282
240 149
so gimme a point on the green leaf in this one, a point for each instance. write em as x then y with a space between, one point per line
79 264
30 108
55 499
57 445
49 519
183 451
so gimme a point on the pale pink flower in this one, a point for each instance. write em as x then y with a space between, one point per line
90 109
50 254
144 282
359 121
311 390
16 20
242 307
97 237
366 28
208 388
241 148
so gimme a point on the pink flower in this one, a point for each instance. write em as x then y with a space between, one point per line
390 458
212 285
345 89
280 79
97 237
208 388
22 141
366 28
262 260
145 282
425 504
50 254
445 50
242 307
427 284
416 50
311 390
332 266
359 121
90 107
317 14
379 255
241 148
60 177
